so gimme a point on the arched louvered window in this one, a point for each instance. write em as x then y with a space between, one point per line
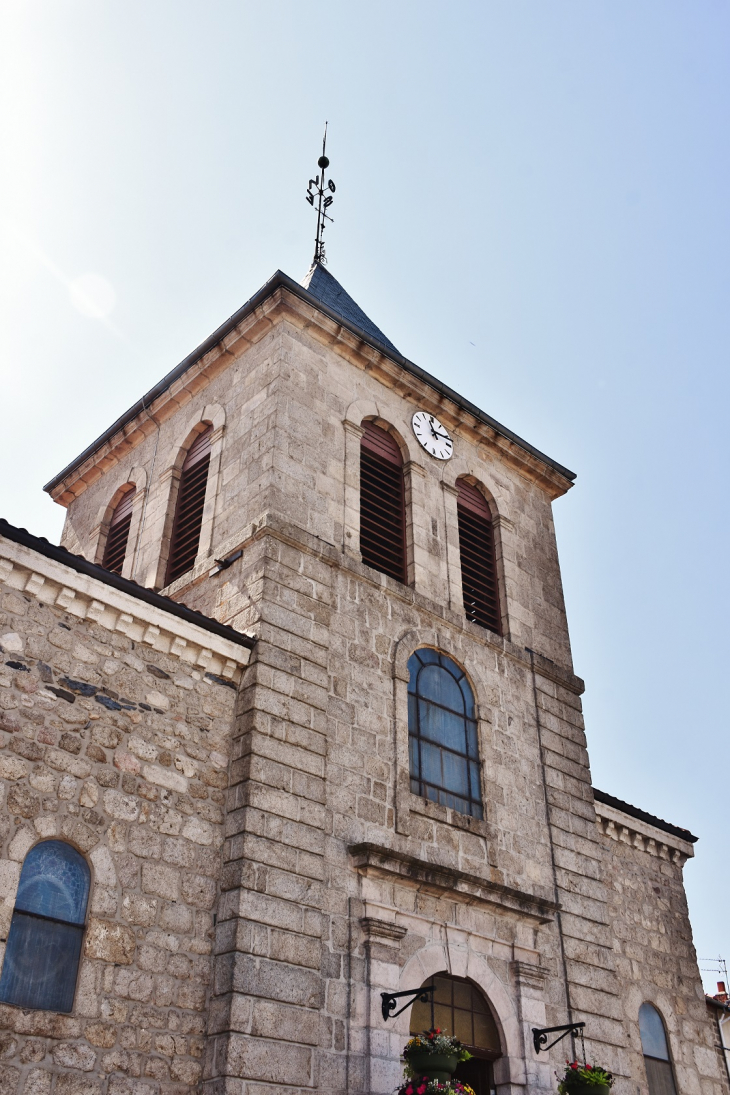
442 733
382 503
659 1072
47 929
116 541
189 508
460 1010
478 561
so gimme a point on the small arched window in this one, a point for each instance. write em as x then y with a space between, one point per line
478 559
189 507
658 1065
442 733
461 1010
115 549
47 929
382 503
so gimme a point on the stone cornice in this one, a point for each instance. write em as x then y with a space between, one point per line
616 825
55 583
281 298
378 861
375 928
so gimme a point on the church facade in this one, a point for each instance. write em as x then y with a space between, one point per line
290 721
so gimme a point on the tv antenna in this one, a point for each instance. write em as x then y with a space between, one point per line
322 190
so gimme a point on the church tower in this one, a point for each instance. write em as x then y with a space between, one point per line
405 794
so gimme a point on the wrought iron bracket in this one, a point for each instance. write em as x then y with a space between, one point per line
389 1000
540 1035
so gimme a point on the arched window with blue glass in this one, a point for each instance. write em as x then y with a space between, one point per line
442 733
657 1062
47 929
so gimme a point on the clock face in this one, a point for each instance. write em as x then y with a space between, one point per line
432 435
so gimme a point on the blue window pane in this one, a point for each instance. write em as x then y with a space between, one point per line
443 740
441 726
653 1035
437 684
431 764
456 774
54 882
426 656
41 962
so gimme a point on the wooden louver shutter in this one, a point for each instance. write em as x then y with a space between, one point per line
189 509
382 503
478 562
116 541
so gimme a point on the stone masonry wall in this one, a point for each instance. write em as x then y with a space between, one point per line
123 752
320 767
655 958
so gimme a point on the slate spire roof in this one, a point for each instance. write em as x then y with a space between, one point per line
320 283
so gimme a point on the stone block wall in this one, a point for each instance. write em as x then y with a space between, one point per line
311 927
653 951
122 750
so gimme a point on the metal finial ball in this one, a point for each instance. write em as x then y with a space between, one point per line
323 162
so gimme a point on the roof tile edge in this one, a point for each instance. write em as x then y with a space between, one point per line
83 589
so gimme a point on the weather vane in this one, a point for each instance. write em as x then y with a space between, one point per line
317 189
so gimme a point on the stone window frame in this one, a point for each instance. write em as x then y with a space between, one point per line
502 527
137 478
406 802
168 484
357 413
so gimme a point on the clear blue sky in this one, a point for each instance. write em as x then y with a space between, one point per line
531 203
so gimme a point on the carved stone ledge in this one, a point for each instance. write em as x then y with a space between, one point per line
529 975
376 861
53 583
615 825
375 928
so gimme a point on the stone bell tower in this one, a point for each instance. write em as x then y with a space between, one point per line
408 795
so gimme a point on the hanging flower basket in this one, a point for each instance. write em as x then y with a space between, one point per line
584 1080
438 1066
435 1087
433 1055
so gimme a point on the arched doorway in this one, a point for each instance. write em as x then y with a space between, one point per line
460 1009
